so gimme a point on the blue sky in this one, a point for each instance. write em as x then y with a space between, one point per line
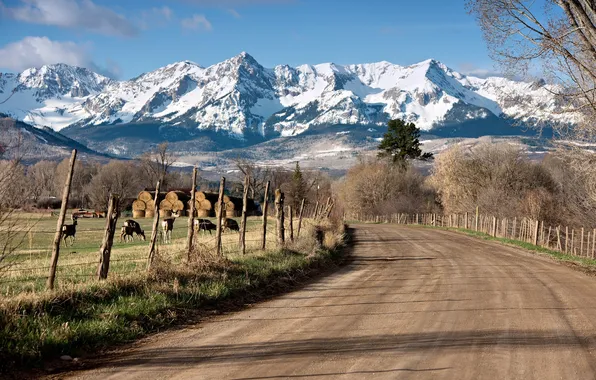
126 38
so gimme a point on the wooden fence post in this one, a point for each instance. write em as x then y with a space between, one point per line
191 215
314 216
494 232
108 238
291 224
265 206
244 211
154 228
535 237
300 218
477 216
593 242
581 244
566 239
279 216
60 223
220 203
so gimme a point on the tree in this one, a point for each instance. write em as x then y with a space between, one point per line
156 165
116 177
41 178
401 143
298 187
258 176
557 37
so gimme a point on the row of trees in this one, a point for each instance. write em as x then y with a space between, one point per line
499 179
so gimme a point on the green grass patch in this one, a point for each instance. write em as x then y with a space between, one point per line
72 321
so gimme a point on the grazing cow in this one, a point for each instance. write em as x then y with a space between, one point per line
167 225
69 230
130 226
204 225
230 224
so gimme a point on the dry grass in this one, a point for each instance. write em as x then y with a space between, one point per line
88 315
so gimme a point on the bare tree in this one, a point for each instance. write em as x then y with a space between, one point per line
116 177
557 36
41 178
258 175
156 164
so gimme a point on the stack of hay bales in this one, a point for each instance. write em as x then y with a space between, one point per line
174 202
204 203
139 206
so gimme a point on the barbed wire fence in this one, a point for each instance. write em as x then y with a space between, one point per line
39 260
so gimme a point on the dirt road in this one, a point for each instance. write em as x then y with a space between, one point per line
415 303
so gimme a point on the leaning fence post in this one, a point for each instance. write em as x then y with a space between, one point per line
291 222
191 214
60 223
279 215
108 239
220 208
243 220
300 218
154 228
265 206
535 237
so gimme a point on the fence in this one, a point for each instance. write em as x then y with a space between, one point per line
579 242
89 257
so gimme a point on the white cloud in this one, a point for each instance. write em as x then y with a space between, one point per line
155 17
79 14
234 13
197 22
39 51
232 3
475 71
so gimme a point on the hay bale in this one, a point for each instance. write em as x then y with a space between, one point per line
203 213
172 196
165 205
139 205
205 205
199 196
145 196
165 213
230 206
178 206
149 213
138 214
150 206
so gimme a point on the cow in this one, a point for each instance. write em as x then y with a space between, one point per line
204 225
130 226
69 230
167 225
230 224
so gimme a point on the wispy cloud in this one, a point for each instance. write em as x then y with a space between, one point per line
197 22
476 71
234 13
39 51
155 17
76 14
236 3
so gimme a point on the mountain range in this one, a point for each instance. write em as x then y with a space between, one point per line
239 103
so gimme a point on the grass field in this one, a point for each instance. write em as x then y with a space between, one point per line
29 264
84 314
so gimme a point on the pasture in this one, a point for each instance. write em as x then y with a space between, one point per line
33 235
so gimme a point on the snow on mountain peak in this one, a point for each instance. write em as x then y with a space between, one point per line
239 96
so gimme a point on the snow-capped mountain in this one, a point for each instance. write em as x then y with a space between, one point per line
241 99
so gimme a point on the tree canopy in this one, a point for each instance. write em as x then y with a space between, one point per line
401 142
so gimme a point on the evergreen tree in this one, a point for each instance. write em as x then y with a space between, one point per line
401 143
298 188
